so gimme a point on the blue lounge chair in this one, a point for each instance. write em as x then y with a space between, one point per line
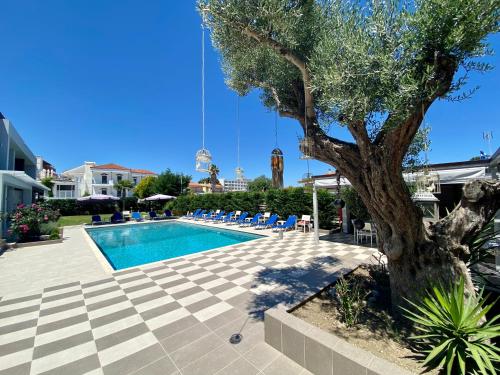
204 216
240 219
199 215
117 217
96 220
288 224
216 217
167 213
228 217
136 216
190 216
271 222
153 215
252 222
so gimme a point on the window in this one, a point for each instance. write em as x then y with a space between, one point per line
104 178
104 191
118 177
134 180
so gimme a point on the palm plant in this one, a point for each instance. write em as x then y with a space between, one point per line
454 331
121 187
213 171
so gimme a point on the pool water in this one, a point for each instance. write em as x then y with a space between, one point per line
132 245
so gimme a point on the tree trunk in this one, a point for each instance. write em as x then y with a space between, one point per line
418 254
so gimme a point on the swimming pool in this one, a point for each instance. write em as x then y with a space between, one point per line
132 245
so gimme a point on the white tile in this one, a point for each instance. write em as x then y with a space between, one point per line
171 316
230 293
212 311
186 301
109 309
144 292
104 297
17 335
126 348
16 358
60 302
62 333
213 283
154 303
18 318
199 275
62 291
116 326
20 305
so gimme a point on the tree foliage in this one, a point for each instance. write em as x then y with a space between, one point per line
171 183
261 183
48 182
145 187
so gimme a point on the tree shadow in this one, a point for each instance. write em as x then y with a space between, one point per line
294 284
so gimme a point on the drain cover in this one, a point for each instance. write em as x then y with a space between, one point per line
236 338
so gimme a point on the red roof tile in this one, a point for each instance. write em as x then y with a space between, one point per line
121 168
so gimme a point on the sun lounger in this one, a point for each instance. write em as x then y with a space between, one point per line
305 222
240 219
288 224
215 218
250 222
96 220
271 222
191 215
117 217
136 216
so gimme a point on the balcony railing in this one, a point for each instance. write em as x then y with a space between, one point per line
64 194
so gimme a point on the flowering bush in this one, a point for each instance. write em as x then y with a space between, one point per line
25 221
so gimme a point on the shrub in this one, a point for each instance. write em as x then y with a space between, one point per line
351 300
26 221
55 234
48 228
454 330
285 202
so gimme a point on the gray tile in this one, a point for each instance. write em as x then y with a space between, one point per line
318 357
20 299
239 367
189 353
23 310
135 361
174 283
62 296
163 275
131 278
220 288
224 318
98 282
273 332
235 275
62 344
285 366
22 369
78 367
135 288
106 319
261 355
207 279
17 346
204 303
177 326
100 292
121 273
160 310
293 343
187 292
121 336
185 337
18 326
62 286
148 297
193 272
61 323
212 362
348 359
57 309
107 302
163 366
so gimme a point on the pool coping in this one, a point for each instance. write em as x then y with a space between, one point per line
103 261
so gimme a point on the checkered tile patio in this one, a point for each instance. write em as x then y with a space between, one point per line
171 317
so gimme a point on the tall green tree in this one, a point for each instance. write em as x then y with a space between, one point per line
213 172
374 67
145 187
171 183
48 182
261 183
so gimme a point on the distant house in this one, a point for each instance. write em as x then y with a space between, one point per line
234 185
17 170
198 188
91 178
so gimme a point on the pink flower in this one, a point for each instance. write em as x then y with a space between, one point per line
24 228
46 218
20 205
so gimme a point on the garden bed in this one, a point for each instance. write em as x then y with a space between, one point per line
375 332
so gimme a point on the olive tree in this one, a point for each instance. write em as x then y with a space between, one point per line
374 67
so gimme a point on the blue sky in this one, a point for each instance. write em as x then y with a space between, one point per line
119 81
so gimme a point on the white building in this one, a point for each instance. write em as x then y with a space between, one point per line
234 185
91 178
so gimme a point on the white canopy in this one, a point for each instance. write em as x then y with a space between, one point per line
446 176
160 197
98 197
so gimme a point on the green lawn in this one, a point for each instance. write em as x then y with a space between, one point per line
79 219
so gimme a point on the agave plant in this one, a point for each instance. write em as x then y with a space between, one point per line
454 332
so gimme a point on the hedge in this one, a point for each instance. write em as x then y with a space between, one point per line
69 207
289 201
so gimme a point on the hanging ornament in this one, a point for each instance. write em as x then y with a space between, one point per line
203 156
306 144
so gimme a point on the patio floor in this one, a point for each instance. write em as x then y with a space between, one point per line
170 317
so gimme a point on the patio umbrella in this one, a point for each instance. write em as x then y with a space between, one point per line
98 198
160 197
